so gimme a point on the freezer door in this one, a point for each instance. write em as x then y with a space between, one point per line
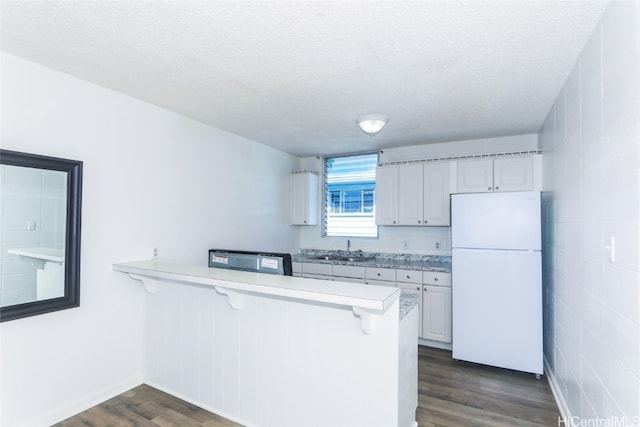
497 308
496 220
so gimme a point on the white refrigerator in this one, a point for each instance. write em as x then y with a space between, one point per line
497 279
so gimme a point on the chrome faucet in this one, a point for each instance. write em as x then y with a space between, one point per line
349 246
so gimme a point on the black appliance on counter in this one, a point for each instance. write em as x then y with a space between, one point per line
259 262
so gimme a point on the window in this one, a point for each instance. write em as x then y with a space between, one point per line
350 196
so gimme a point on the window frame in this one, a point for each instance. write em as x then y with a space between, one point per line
326 202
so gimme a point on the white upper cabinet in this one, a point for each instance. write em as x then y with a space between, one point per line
304 198
387 195
475 176
410 194
420 195
500 174
513 174
437 204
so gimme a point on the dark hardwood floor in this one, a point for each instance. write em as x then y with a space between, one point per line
450 394
455 393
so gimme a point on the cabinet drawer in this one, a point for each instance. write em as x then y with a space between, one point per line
409 276
312 268
380 283
410 287
436 279
349 279
348 271
386 274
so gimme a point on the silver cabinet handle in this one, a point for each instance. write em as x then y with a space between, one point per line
488 188
436 279
497 188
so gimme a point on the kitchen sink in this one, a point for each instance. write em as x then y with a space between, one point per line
327 257
342 258
356 258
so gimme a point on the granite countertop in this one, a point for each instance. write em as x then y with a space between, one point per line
407 302
434 263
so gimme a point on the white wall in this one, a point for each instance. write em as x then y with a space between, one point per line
421 239
152 178
591 150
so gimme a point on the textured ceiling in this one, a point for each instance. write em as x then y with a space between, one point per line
295 75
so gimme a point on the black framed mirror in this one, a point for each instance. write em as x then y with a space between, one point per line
40 213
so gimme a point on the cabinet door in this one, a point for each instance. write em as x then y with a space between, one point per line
437 205
387 195
304 199
513 174
410 194
436 313
475 176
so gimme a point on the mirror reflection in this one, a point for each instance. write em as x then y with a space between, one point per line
33 218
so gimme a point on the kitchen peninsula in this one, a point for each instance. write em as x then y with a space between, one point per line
278 350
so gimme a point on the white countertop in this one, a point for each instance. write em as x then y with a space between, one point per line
43 253
375 298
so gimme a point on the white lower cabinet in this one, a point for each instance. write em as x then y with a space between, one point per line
436 307
296 269
380 276
347 273
380 283
312 270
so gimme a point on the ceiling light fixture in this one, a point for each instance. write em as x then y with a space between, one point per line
371 124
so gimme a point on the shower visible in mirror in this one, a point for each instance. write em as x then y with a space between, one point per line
40 210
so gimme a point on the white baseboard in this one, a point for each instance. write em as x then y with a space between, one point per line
89 401
436 344
197 403
565 413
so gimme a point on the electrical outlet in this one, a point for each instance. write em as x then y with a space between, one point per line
437 245
611 249
156 253
405 244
